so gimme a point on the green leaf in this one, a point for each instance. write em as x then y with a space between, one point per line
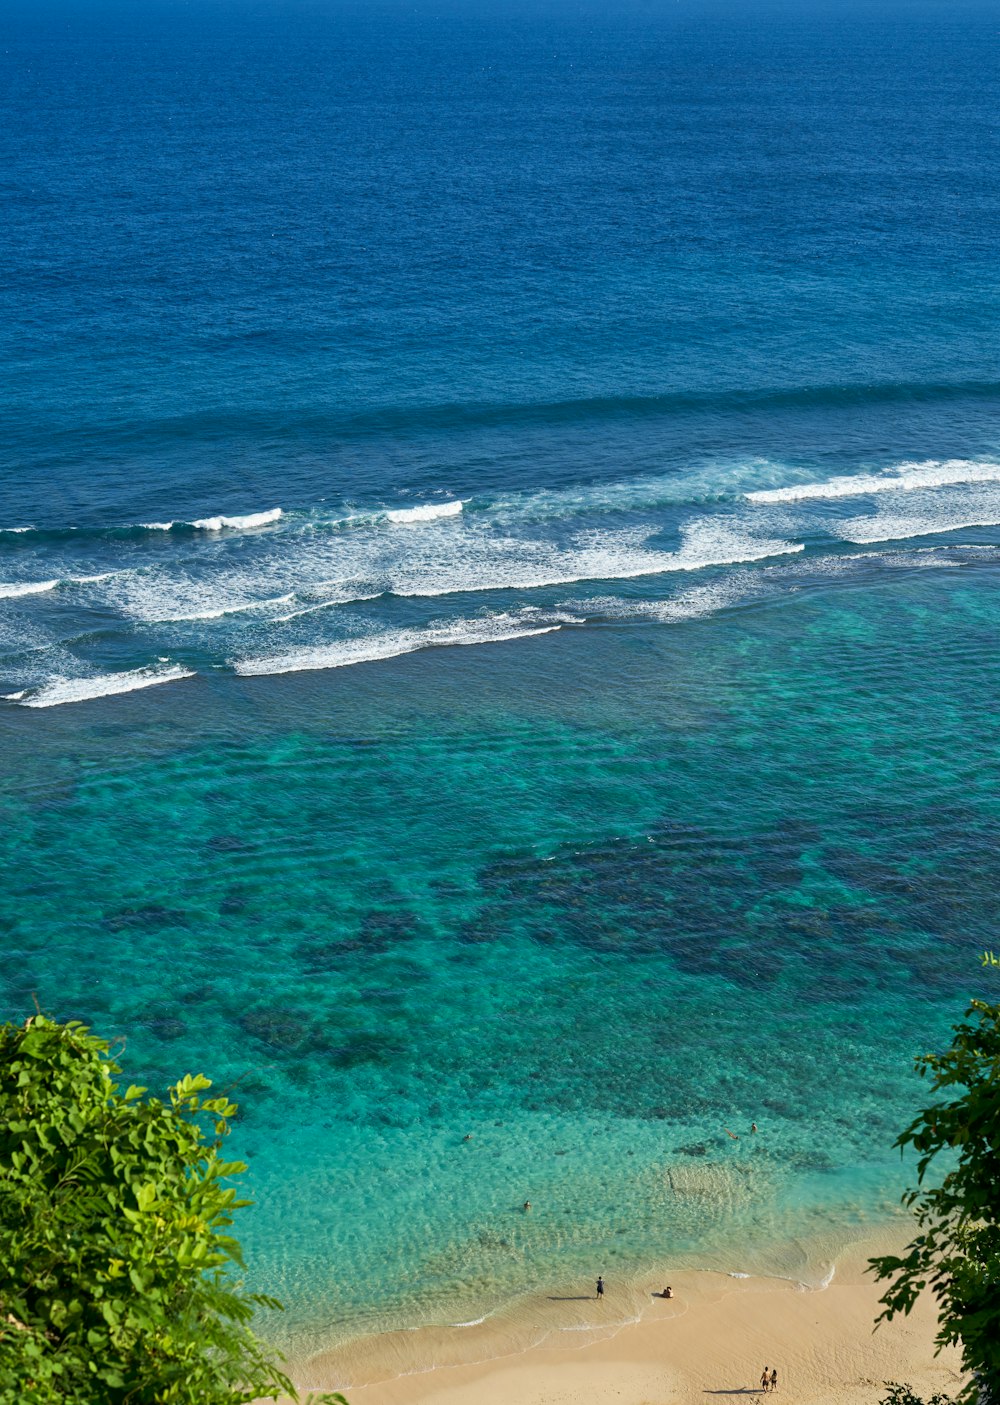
958 1252
122 1267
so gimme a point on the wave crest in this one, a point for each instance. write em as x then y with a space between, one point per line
70 690
218 524
906 477
12 590
427 512
391 645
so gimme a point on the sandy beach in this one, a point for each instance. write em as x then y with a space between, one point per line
713 1338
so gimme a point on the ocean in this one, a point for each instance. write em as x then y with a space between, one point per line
499 599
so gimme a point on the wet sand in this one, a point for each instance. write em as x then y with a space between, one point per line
710 1341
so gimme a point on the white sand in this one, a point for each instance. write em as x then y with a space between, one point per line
710 1342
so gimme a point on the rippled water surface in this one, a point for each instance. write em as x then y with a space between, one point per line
499 542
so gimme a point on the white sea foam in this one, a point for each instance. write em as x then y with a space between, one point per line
905 477
695 603
251 519
323 605
70 690
310 574
220 523
742 587
702 600
745 587
475 557
428 512
424 512
153 599
923 558
719 480
505 563
219 612
957 516
12 590
711 541
161 595
16 642
391 644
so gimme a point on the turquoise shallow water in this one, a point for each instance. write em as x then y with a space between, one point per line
640 886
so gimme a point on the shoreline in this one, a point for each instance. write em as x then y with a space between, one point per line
712 1337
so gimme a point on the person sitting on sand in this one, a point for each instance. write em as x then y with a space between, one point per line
667 1293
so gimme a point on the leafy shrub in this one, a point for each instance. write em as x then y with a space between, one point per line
957 1251
115 1260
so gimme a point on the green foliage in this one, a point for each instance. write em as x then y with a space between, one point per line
957 1252
896 1394
114 1251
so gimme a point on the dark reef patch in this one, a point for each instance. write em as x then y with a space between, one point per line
149 916
749 909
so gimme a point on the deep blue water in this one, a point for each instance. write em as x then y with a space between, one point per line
649 352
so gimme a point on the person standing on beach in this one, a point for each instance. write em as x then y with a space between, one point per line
600 1287
765 1381
774 1379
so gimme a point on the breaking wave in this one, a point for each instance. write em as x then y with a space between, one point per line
70 690
218 524
518 565
904 477
135 531
426 513
392 644
266 602
12 590
930 516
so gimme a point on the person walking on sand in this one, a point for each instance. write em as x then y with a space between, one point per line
765 1381
774 1379
600 1287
